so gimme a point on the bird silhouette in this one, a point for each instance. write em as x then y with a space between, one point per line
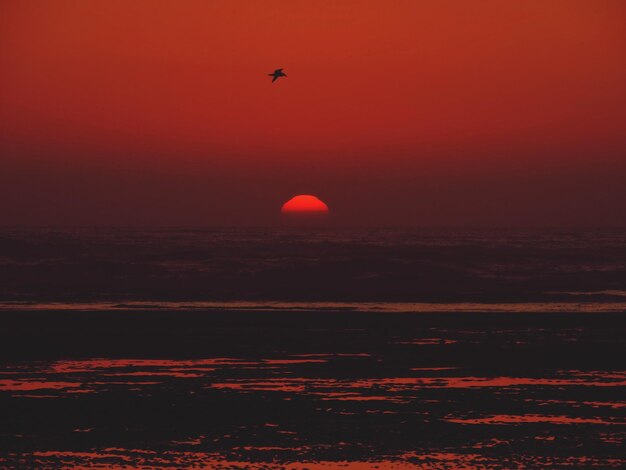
277 74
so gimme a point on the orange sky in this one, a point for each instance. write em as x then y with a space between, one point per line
395 112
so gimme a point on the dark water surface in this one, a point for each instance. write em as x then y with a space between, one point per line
313 265
325 349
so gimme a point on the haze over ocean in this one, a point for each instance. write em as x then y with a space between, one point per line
401 112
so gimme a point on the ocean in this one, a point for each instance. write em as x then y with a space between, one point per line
314 265
312 348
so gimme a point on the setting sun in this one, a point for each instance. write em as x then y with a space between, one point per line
304 203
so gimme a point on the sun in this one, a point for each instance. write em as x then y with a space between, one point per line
305 210
304 204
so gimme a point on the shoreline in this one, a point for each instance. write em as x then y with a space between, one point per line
322 307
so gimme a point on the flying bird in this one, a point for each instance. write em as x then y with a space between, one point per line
277 74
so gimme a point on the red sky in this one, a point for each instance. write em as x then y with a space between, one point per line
395 112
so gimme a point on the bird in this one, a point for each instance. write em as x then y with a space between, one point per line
277 74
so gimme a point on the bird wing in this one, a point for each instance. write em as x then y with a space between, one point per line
275 78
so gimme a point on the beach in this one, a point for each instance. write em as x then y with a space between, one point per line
311 389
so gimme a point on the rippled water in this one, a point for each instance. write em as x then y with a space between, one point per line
387 349
331 265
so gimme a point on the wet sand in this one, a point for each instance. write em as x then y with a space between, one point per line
300 389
